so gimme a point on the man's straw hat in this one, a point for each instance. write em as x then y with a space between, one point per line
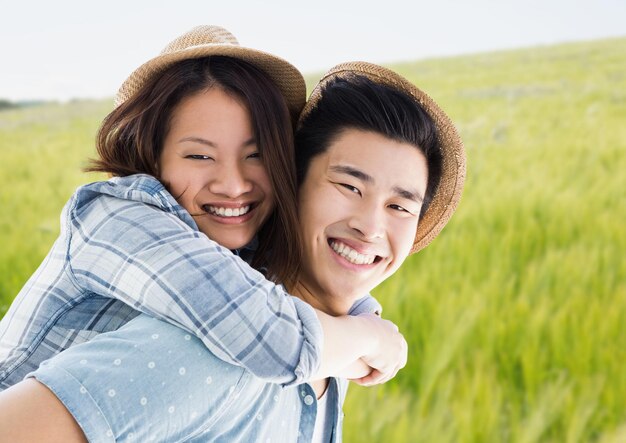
207 40
448 193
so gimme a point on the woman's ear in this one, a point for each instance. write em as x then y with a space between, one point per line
157 170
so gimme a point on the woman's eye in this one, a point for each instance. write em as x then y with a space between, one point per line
350 188
255 155
198 157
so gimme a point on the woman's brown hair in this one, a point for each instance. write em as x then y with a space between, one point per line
130 141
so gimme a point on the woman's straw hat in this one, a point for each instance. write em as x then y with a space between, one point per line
207 40
448 193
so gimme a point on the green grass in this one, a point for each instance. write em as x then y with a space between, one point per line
42 151
516 315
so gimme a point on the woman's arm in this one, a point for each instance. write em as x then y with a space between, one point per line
155 262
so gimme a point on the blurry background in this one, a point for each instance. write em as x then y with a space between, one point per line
516 314
75 49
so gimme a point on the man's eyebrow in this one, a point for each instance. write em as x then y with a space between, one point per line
408 194
202 141
356 173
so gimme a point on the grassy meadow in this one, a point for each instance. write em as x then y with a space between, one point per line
516 315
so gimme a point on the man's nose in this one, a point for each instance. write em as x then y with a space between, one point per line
368 220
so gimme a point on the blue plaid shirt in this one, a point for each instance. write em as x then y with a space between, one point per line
126 246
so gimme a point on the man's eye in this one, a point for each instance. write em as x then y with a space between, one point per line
198 157
350 188
401 209
398 208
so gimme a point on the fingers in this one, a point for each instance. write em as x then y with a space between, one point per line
384 369
373 378
376 377
389 354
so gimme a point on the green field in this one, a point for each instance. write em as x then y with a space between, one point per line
516 315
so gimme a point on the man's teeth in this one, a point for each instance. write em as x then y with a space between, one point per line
229 212
351 255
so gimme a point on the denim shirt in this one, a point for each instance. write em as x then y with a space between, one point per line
126 246
151 381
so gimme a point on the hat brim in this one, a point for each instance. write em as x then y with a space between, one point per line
448 194
286 76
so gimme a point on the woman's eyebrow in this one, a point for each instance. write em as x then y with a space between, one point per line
199 140
203 141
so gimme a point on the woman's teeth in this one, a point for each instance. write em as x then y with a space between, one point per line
229 212
351 255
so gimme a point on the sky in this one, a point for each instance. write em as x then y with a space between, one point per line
64 49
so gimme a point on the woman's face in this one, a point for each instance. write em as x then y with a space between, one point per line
211 164
359 209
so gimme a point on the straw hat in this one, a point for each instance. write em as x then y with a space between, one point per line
203 41
448 193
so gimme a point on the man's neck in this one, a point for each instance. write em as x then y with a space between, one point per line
319 386
323 302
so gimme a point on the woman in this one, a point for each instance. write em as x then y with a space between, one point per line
381 170
149 240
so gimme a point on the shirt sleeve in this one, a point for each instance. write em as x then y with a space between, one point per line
366 305
157 264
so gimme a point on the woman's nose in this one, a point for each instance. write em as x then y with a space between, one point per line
230 182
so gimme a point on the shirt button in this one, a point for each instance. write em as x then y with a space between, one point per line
308 400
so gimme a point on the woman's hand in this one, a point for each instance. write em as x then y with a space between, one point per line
365 349
388 354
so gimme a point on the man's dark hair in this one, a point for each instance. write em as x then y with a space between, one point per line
359 103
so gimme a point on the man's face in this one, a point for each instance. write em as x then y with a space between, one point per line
359 209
